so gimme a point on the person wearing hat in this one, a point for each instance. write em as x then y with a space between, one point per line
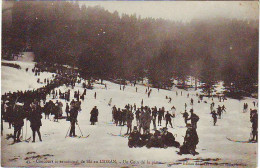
18 122
168 139
191 139
155 140
134 138
35 119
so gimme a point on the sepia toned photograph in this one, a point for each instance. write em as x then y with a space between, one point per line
129 84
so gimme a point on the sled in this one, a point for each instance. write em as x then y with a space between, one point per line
241 141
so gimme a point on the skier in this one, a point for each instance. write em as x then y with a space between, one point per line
223 108
168 119
154 115
94 115
173 110
194 119
219 111
185 115
95 95
73 120
35 119
191 101
137 116
160 116
254 121
130 117
214 116
170 100
18 121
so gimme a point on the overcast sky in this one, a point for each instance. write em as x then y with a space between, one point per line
182 10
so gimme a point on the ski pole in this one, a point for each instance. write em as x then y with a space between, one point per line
67 131
26 130
121 130
79 129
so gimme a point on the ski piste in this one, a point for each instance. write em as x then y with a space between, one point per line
232 140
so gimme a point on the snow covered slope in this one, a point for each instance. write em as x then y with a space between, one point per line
56 150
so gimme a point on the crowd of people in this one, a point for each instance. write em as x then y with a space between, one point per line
31 104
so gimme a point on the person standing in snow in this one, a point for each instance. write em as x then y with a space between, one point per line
219 111
94 115
18 121
95 95
129 119
168 117
214 116
73 120
194 119
35 119
67 110
254 121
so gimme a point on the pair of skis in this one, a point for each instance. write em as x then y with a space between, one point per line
79 136
26 140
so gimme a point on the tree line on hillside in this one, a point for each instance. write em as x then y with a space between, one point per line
108 46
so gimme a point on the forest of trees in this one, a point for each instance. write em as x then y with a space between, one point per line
109 46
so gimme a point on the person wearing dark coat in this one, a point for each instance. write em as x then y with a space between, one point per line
168 139
73 120
168 118
185 115
194 119
191 139
94 115
67 110
214 116
18 122
35 119
155 140
134 139
254 121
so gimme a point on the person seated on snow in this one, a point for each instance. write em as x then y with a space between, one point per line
134 139
145 138
191 139
168 139
155 140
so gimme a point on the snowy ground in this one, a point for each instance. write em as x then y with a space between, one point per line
213 146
